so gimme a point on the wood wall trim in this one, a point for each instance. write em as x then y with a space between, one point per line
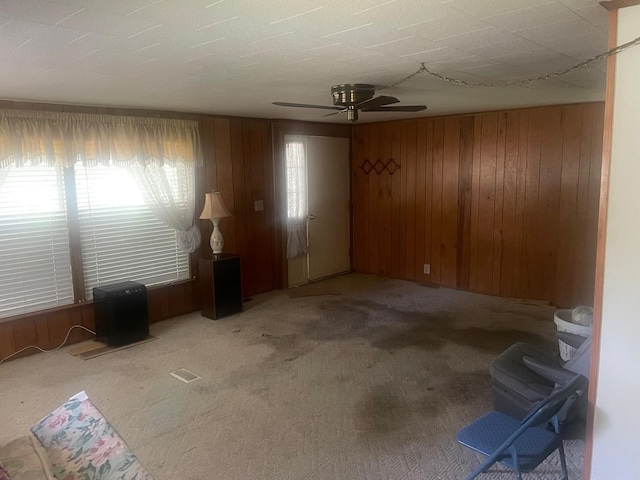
289 127
122 111
601 244
483 112
95 110
73 230
280 187
49 311
613 5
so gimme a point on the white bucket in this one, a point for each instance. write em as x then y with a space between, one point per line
562 319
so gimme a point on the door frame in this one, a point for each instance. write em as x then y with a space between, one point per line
280 128
612 6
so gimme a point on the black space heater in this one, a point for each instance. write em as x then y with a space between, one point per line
121 313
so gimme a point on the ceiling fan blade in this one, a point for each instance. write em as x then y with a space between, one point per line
376 102
400 108
334 113
304 105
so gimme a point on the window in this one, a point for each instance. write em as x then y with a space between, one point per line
88 200
121 238
296 170
34 244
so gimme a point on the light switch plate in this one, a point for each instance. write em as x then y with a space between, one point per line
258 205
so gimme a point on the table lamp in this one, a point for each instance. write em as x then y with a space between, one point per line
214 210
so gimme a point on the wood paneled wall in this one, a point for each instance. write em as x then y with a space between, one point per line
239 164
502 203
48 329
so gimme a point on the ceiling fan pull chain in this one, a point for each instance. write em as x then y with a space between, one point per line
464 83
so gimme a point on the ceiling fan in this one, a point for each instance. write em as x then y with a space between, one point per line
354 97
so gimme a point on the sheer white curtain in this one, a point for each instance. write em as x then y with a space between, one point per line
169 192
297 209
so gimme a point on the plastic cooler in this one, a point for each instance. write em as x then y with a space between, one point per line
562 319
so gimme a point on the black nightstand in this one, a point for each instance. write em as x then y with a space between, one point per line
221 283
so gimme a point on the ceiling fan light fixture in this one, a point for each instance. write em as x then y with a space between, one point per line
352 97
352 114
351 93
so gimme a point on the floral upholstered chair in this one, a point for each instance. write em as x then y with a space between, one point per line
75 442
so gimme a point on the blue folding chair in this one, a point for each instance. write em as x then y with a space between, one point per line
524 444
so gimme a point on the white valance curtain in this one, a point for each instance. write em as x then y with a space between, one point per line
62 139
145 146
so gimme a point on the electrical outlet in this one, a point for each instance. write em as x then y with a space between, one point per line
427 269
258 205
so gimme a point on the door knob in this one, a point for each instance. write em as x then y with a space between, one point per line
311 217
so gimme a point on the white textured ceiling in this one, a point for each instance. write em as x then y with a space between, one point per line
235 57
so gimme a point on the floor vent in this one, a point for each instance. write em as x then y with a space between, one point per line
185 375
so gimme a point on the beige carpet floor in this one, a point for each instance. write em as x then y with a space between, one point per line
372 384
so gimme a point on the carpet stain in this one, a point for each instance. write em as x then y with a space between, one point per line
392 329
436 333
534 314
371 384
260 392
339 320
430 406
381 412
342 378
466 388
285 347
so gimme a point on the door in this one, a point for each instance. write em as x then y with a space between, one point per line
329 222
327 178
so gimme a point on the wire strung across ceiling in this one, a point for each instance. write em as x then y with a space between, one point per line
464 83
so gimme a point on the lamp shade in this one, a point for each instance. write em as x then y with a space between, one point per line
214 207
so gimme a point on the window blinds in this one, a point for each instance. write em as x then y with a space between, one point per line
35 270
121 239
